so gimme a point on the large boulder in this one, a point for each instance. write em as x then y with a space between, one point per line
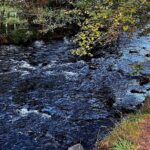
76 147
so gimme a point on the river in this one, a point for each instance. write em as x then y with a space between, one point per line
49 100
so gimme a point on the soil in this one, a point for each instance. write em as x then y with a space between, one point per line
144 139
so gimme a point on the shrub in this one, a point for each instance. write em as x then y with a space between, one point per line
105 21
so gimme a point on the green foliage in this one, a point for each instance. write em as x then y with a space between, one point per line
105 21
22 36
24 16
123 145
101 22
9 15
137 68
53 19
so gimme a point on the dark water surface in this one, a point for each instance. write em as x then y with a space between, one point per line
49 101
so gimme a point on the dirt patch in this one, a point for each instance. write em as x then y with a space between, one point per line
144 139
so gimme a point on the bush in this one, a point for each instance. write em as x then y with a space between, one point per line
106 20
101 22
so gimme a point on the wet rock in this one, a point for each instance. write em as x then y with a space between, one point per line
38 44
84 71
108 94
144 80
138 92
147 55
132 51
76 147
146 70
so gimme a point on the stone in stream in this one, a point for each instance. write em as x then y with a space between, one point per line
38 44
76 147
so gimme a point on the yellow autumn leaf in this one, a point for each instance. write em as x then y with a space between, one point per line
125 28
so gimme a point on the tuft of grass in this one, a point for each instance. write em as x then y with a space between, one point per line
123 145
137 68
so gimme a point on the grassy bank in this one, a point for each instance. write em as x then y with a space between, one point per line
126 135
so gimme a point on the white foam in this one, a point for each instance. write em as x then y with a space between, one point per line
70 75
66 41
49 73
25 112
26 65
38 44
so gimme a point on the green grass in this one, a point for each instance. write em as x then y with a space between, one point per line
123 145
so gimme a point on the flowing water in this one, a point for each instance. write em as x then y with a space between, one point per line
50 101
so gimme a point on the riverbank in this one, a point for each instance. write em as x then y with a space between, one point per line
132 133
27 37
99 23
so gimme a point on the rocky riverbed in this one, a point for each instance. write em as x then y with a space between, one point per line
49 100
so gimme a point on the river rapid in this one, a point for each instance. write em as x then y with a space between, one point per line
49 100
